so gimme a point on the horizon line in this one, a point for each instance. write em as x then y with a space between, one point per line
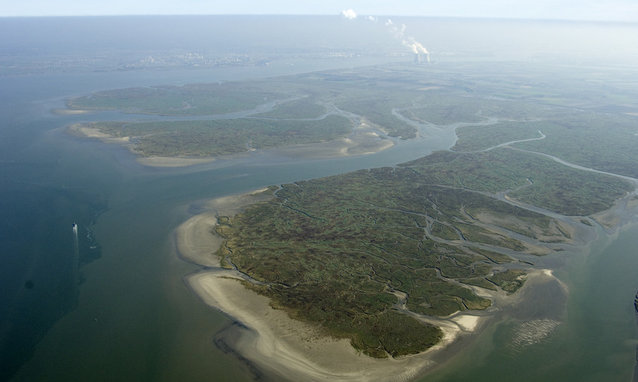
495 18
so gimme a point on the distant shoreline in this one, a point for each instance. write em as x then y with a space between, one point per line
362 141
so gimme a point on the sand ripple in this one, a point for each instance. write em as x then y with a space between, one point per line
532 332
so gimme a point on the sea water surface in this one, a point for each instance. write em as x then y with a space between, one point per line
124 312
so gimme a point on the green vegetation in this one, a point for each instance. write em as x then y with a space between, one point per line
589 117
334 251
572 138
296 109
378 111
223 137
445 110
531 178
510 280
197 99
568 136
476 138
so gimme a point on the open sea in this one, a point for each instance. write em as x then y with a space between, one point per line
111 304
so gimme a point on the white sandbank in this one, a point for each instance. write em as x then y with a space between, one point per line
466 322
71 111
172 161
197 241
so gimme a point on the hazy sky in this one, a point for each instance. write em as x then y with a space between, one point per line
603 10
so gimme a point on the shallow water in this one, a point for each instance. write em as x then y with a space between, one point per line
591 338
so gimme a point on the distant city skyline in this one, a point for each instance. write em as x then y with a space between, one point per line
605 10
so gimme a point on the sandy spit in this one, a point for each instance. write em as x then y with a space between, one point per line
196 238
364 140
296 350
197 241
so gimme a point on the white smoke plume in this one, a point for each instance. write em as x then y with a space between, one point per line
408 41
349 14
397 31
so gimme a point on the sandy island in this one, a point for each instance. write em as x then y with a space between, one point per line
296 350
364 139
